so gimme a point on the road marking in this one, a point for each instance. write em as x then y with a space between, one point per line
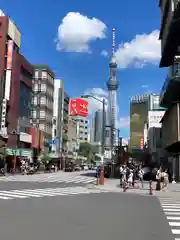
173 218
174 224
171 205
59 177
171 210
37 193
175 231
172 213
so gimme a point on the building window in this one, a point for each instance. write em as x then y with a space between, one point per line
44 75
36 74
34 100
34 113
35 87
43 87
42 114
41 126
55 133
43 100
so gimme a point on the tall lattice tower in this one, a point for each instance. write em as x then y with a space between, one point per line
112 86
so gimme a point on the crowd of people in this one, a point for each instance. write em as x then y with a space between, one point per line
131 176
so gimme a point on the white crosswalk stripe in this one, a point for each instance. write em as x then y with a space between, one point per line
171 208
49 177
38 193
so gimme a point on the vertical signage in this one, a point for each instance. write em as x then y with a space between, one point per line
142 143
9 69
9 55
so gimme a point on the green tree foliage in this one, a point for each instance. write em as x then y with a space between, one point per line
45 158
87 150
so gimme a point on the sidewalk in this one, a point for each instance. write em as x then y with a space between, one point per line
112 185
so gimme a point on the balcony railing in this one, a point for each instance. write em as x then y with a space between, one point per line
173 75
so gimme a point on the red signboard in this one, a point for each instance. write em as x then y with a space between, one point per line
142 142
41 140
35 137
9 54
79 107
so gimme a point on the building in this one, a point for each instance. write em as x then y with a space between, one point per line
154 131
139 107
169 97
72 135
169 31
92 130
98 125
57 116
16 75
82 129
42 100
112 86
65 122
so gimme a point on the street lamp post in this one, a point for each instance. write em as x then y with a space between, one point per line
101 179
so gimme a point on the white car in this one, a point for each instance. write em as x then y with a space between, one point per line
86 168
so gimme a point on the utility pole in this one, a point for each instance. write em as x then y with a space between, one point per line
101 179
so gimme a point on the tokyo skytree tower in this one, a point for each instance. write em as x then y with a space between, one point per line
112 85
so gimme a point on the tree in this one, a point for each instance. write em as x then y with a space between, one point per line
87 150
45 158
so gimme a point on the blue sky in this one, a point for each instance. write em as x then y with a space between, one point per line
79 55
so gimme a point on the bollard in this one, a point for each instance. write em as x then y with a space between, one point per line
97 180
150 188
124 186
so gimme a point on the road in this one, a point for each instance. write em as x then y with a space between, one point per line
85 216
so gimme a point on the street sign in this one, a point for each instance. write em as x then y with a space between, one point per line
14 132
53 141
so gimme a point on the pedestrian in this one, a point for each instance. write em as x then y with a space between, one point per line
130 178
158 179
121 173
141 175
165 179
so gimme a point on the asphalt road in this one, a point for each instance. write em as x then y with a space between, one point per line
36 185
98 216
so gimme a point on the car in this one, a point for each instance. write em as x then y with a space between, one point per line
77 168
86 168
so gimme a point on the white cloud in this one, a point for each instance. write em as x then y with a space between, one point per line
104 53
98 93
124 122
141 50
76 31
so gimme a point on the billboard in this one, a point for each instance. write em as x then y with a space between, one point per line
78 107
138 117
154 118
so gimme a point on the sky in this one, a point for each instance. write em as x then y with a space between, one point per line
74 39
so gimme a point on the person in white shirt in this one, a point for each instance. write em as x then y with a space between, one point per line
130 178
165 178
121 175
158 178
141 174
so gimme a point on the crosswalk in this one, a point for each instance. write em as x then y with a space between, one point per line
39 193
171 208
49 177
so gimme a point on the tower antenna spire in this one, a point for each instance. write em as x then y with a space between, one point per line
113 40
